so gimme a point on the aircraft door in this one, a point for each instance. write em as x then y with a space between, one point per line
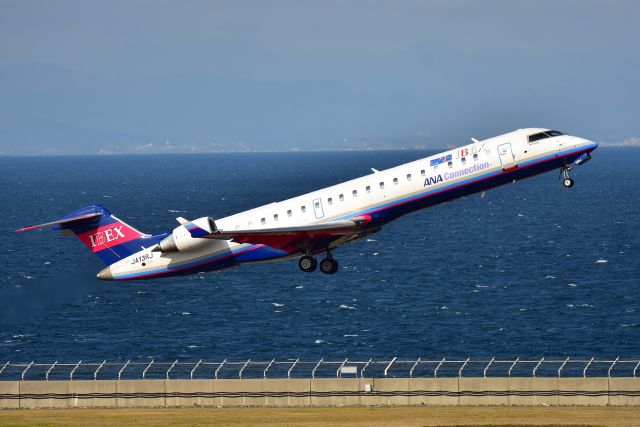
507 159
317 208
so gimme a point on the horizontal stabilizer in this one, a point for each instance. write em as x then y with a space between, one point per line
61 221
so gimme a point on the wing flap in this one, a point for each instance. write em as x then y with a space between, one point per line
287 237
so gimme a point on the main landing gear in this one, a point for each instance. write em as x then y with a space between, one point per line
328 265
567 181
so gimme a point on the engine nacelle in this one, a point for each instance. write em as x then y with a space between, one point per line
180 239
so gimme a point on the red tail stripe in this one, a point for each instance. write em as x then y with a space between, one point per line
108 235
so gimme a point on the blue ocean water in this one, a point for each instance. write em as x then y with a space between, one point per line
530 269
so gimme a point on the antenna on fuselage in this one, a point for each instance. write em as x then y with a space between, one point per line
375 170
475 140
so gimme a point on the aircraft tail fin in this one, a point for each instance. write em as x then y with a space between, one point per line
104 234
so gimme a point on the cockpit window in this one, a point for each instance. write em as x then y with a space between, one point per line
554 133
543 135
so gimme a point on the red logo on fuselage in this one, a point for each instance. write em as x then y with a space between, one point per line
106 236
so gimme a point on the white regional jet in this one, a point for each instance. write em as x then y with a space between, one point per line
320 221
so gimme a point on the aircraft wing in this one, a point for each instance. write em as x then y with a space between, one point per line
295 238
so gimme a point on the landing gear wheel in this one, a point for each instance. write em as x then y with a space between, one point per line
566 178
307 264
329 266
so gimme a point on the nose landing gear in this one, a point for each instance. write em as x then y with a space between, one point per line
567 181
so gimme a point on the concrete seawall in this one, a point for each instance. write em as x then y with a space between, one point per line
322 392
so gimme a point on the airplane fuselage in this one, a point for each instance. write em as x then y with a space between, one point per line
382 195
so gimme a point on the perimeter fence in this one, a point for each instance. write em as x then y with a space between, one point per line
297 368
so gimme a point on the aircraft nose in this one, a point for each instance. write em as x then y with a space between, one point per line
587 142
105 274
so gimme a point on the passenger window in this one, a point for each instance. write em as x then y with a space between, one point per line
317 205
382 185
408 177
355 193
368 189
395 181
289 213
275 217
330 200
341 197
263 221
475 157
303 209
422 172
450 164
464 160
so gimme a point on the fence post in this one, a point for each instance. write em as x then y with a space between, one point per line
611 367
194 368
122 369
144 373
73 371
513 365
264 373
338 374
220 367
462 367
313 372
389 366
435 372
171 367
584 372
365 367
95 374
562 367
46 376
25 371
413 367
3 368
291 368
537 366
484 373
241 370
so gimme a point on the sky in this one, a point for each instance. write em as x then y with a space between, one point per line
169 76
